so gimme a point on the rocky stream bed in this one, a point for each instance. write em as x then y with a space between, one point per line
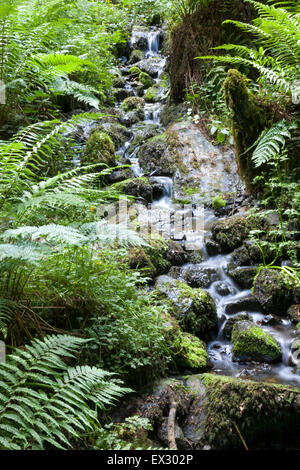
238 346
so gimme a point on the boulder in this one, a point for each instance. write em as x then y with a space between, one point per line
252 343
230 233
152 66
243 276
223 288
135 56
121 93
275 292
143 133
152 95
99 149
153 156
194 309
196 275
146 80
133 103
229 324
137 187
119 134
248 303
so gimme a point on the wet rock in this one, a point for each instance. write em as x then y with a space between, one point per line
122 93
163 433
243 276
135 56
138 259
194 424
133 103
153 156
139 38
175 254
196 275
146 80
249 254
99 149
223 288
194 309
230 233
294 313
132 117
252 343
143 133
227 330
275 292
119 134
152 95
269 320
137 187
213 248
248 303
152 66
120 175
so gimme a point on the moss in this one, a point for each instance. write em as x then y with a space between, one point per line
253 343
138 259
158 250
132 103
187 351
275 292
134 71
146 80
230 232
195 310
193 354
118 82
217 202
136 55
99 149
261 412
250 118
151 95
190 191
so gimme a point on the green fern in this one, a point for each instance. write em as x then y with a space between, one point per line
43 402
277 60
271 141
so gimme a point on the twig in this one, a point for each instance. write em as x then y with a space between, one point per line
240 436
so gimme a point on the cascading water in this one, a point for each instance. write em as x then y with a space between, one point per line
222 288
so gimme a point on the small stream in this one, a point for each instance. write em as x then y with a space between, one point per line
222 288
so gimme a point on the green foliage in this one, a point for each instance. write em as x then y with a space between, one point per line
277 59
43 402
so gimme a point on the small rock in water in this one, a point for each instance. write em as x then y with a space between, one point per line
269 320
248 303
222 288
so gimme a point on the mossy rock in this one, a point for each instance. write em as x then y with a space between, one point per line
194 309
137 187
146 80
99 149
243 276
134 71
119 134
275 292
143 133
266 415
119 82
230 322
138 259
230 233
193 355
294 314
187 351
152 94
133 103
217 202
250 118
136 55
252 343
